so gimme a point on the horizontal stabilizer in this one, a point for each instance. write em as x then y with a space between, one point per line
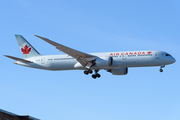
18 59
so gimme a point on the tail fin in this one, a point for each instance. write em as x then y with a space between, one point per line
26 48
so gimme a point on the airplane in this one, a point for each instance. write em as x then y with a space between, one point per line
116 63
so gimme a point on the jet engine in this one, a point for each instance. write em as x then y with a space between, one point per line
120 71
104 61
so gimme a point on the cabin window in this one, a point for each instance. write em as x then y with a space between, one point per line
57 59
63 58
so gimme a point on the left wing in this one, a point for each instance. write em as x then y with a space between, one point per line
83 58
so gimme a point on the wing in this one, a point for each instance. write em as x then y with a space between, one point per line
83 58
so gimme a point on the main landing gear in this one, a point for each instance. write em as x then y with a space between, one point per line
89 71
162 66
96 75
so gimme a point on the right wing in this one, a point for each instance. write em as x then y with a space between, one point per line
83 58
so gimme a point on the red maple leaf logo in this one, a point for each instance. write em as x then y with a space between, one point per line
25 50
149 52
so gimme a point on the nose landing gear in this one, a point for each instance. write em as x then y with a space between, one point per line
162 66
161 70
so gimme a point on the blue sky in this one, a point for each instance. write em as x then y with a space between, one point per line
91 26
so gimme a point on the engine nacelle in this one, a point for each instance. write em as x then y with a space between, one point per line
104 61
120 71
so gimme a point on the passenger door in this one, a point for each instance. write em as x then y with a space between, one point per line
157 55
42 60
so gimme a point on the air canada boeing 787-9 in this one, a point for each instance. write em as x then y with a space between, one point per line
116 63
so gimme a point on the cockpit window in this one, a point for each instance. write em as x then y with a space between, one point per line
168 55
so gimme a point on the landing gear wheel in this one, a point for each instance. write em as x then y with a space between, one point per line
162 66
90 71
98 75
94 76
86 72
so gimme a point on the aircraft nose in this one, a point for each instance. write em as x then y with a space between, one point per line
173 60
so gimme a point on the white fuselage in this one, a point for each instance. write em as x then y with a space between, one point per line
120 60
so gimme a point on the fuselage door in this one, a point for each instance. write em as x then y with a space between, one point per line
124 57
157 55
42 60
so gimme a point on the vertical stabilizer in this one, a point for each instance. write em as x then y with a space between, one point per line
26 48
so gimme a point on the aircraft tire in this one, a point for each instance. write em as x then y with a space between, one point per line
94 76
98 75
86 72
161 70
90 71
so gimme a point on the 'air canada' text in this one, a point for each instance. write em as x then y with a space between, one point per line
130 53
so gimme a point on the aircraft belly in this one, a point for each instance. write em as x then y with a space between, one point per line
64 65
